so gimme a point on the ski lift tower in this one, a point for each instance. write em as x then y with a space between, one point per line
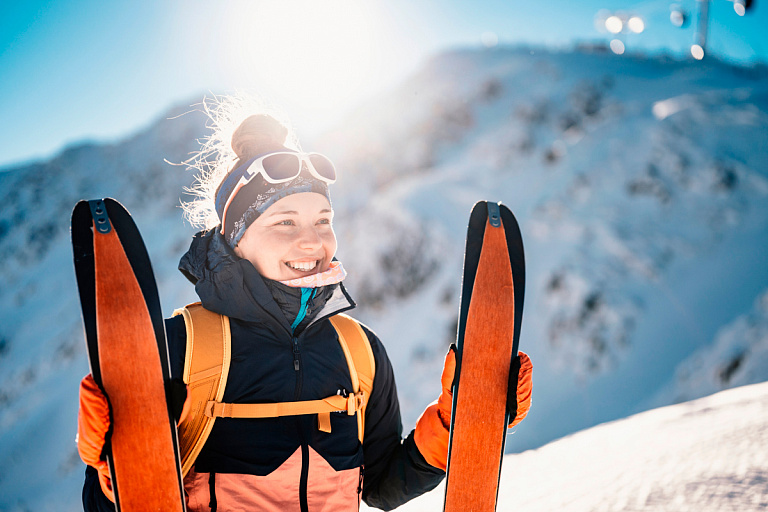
699 46
619 23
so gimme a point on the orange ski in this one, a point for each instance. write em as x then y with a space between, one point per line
128 356
489 326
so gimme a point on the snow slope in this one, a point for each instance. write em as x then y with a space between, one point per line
640 184
641 187
702 456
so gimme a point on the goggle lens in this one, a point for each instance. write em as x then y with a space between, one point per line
281 166
323 166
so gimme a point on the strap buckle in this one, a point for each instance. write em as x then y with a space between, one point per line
355 402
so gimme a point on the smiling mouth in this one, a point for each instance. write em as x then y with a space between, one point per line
302 266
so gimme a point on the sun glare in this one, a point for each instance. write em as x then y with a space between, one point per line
614 24
317 56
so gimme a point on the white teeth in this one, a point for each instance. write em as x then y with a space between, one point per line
304 266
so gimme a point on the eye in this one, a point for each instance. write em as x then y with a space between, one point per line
324 221
286 222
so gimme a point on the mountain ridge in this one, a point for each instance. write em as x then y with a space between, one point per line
639 184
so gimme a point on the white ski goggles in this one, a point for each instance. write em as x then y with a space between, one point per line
281 167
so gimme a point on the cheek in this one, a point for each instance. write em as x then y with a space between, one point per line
260 250
330 244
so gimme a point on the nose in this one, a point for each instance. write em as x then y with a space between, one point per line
309 238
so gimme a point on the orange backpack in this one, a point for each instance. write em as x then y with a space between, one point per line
206 367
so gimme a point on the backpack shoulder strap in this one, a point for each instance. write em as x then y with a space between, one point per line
359 354
206 368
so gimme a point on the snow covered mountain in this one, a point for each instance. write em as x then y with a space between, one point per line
640 185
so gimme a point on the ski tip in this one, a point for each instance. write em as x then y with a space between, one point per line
111 203
494 214
100 218
98 210
491 209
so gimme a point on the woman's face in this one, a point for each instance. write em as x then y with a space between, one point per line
292 238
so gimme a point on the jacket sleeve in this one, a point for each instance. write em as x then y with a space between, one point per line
94 499
395 471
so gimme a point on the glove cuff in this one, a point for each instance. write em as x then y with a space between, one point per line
105 482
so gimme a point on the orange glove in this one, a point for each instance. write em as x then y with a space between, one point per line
93 423
92 429
432 428
519 401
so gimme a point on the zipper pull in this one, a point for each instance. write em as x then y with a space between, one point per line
296 353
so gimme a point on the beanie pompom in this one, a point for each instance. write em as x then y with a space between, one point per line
256 135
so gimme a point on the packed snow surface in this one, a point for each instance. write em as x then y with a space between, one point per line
707 455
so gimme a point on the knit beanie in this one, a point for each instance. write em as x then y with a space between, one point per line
257 136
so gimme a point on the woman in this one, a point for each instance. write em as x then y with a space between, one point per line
269 266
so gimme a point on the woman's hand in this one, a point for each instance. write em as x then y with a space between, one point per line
92 429
432 428
93 424
520 388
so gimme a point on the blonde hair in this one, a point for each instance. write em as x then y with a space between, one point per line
242 126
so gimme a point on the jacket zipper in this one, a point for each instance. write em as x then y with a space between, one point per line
297 366
303 482
304 503
360 486
296 353
213 503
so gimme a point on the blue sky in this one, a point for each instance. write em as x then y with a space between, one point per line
85 69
